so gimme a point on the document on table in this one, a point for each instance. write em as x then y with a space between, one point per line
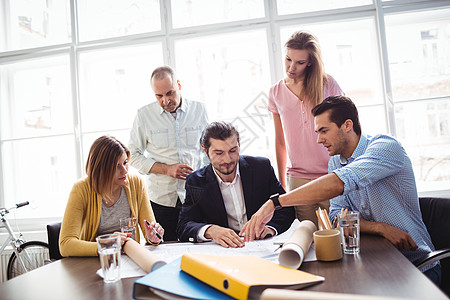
128 268
171 251
261 248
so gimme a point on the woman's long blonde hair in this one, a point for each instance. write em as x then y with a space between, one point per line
102 161
315 76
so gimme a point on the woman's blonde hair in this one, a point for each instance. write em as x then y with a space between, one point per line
315 76
102 161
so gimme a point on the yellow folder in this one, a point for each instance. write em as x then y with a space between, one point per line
244 277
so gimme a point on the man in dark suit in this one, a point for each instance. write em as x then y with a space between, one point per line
222 197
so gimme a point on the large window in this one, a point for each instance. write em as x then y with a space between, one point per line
72 70
202 12
37 134
419 57
34 23
351 55
230 74
102 19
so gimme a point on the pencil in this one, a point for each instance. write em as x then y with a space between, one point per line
327 219
322 219
321 227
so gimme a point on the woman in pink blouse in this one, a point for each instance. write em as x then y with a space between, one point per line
305 85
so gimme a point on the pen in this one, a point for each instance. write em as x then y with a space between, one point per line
280 245
156 232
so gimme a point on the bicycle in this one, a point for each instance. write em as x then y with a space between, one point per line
26 256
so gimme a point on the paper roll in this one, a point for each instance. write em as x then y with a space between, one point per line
143 257
280 294
295 248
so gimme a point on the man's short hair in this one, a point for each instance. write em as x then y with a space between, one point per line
161 72
219 131
341 109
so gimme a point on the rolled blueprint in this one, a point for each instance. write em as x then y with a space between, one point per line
295 248
143 257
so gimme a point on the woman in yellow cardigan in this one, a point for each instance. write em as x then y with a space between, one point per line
107 194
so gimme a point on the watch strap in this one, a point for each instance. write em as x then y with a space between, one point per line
276 201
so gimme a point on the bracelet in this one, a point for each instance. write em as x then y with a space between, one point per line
154 244
123 246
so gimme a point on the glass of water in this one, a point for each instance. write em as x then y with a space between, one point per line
128 225
349 227
109 253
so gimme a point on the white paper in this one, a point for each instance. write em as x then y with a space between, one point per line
261 248
128 268
171 251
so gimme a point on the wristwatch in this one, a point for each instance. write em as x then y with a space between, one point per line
275 201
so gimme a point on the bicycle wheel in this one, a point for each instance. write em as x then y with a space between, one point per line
31 256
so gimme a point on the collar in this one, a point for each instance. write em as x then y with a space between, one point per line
359 150
222 183
182 107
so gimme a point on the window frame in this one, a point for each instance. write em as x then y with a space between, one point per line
271 22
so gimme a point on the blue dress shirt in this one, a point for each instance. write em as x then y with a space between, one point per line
379 183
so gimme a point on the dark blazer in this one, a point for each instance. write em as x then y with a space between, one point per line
204 204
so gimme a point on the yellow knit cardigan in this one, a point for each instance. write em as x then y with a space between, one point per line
82 215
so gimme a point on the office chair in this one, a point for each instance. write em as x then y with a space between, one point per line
53 240
435 214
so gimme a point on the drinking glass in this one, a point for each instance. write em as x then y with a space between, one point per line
128 225
109 253
349 227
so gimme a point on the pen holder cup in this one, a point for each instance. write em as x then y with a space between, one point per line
327 244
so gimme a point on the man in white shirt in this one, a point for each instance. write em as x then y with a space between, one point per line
165 144
222 197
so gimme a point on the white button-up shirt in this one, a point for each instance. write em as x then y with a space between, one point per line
157 136
233 199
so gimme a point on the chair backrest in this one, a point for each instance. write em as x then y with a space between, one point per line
53 240
436 216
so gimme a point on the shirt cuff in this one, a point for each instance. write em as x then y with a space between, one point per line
271 227
201 233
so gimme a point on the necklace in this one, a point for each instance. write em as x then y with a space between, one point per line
110 202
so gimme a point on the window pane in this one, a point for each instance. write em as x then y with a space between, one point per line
101 19
419 54
30 24
286 7
36 98
88 140
114 83
41 171
372 119
350 55
424 130
200 12
230 73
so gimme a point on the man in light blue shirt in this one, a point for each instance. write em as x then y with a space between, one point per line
165 145
372 175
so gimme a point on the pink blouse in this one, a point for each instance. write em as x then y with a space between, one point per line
306 158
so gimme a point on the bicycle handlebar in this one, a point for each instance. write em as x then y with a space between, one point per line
22 204
4 211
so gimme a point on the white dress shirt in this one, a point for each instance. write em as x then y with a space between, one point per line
233 199
158 136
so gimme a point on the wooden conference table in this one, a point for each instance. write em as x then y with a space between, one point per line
378 270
